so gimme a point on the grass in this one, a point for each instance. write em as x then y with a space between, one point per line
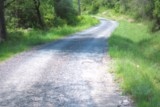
136 53
21 40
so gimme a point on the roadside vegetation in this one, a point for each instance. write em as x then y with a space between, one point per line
24 24
23 39
138 9
136 53
134 46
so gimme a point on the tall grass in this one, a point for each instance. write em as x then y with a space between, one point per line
136 53
20 40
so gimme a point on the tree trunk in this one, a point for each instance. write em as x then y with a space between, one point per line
3 35
79 7
37 6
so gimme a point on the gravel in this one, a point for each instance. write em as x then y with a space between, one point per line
71 72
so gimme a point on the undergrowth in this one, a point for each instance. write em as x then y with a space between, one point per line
136 53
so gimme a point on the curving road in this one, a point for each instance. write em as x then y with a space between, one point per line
71 72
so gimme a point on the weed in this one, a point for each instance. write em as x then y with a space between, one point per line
137 56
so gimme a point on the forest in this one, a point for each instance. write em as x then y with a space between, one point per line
46 13
139 9
40 14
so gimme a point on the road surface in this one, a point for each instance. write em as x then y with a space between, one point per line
71 72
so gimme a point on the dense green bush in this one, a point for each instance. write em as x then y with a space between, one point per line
139 9
94 9
59 22
157 15
65 10
93 6
47 11
22 15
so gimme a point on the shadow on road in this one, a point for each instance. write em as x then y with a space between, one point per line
78 45
41 73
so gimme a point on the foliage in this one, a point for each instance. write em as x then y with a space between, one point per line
136 55
22 14
39 13
93 6
59 22
157 15
47 12
2 22
139 9
64 10
23 39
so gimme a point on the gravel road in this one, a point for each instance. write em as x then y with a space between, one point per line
71 72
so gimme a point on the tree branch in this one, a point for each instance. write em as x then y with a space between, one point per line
8 4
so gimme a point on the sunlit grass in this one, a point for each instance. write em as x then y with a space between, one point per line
20 40
136 53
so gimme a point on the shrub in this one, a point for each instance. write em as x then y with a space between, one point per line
64 9
59 22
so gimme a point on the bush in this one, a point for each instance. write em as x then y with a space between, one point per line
157 14
22 14
94 9
59 22
64 9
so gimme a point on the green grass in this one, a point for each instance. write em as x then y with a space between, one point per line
136 53
21 40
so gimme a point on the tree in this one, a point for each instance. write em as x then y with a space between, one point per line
37 4
24 14
156 14
3 35
65 10
79 7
